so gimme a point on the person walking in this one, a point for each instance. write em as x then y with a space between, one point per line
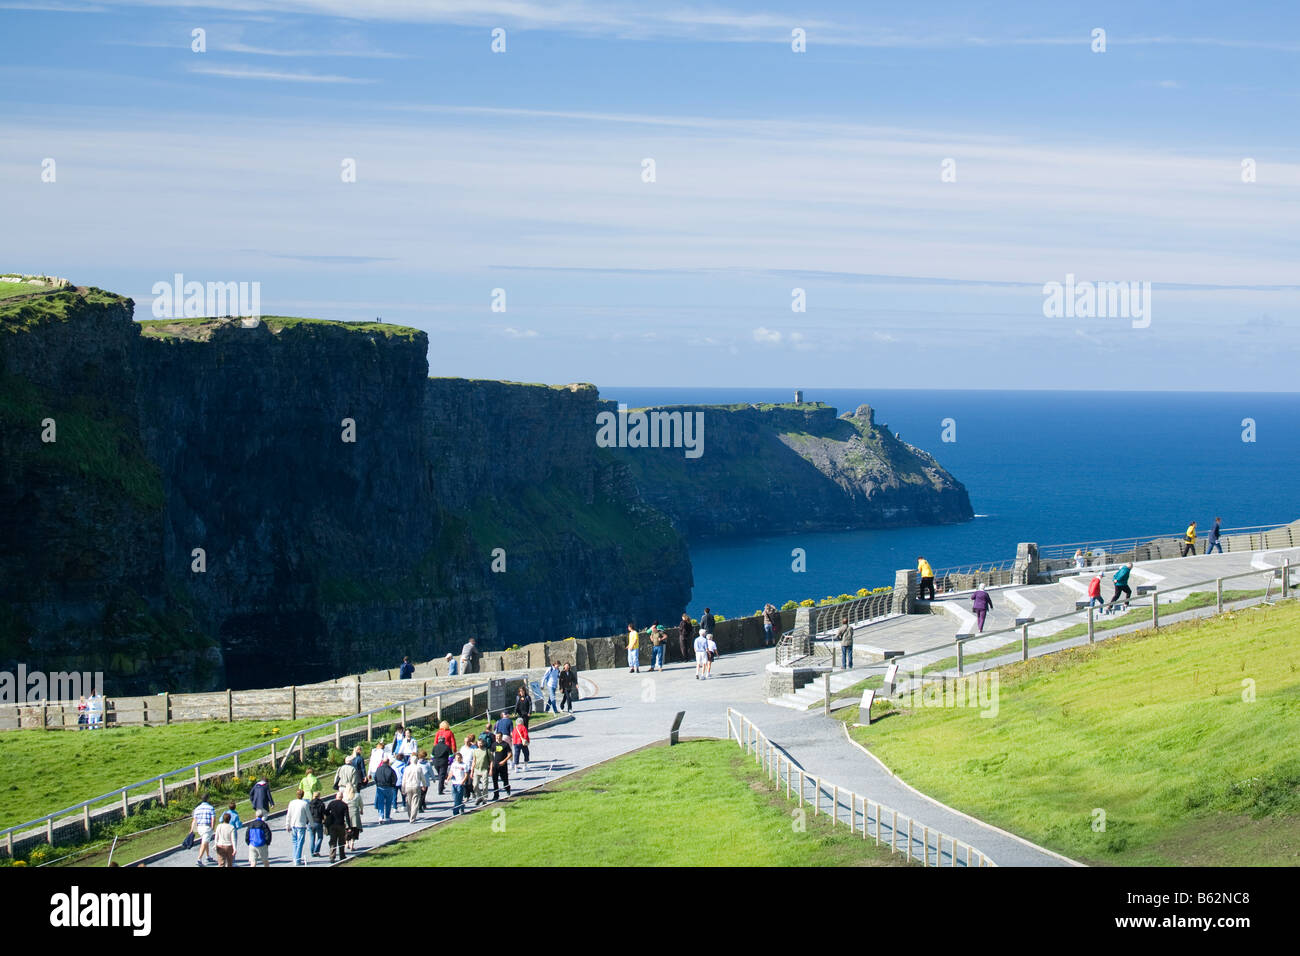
344 776
469 655
407 670
981 604
336 825
633 650
1189 540
358 762
258 838
201 826
523 704
385 790
770 617
926 574
467 759
453 666
297 821
308 783
316 827
260 796
377 755
658 639
712 656
223 838
235 821
1120 581
845 635
482 769
551 684
501 753
707 624
442 756
519 743
457 775
503 725
1080 562
568 687
1094 592
445 734
701 655
686 637
412 783
352 797
1214 541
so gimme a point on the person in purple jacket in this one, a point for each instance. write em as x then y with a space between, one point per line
981 603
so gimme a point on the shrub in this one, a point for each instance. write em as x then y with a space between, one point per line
789 606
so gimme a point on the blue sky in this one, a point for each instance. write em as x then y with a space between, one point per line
775 170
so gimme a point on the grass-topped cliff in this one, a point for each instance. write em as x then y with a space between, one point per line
772 468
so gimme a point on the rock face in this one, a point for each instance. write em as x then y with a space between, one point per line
321 555
772 469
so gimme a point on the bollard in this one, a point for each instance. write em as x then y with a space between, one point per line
1024 642
1092 624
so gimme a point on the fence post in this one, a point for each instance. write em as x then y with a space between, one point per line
801 785
1286 577
1024 642
826 687
835 805
1218 595
787 780
438 701
909 838
338 737
85 819
230 706
236 764
198 780
817 795
49 831
893 833
167 707
1092 623
925 846
293 702
126 808
162 793
302 748
358 693
961 666
272 755
1155 608
968 855
370 726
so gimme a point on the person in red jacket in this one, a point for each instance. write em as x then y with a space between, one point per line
519 738
1094 591
444 734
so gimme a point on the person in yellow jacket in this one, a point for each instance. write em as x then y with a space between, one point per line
926 574
1189 540
633 650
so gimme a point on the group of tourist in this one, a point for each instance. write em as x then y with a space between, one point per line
90 713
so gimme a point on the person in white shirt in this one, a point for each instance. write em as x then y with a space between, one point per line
296 819
412 782
708 657
701 656
406 746
376 755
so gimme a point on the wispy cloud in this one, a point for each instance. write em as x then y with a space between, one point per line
278 76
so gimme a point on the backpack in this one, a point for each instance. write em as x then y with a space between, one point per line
257 835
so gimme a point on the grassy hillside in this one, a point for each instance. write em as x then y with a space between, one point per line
1188 739
700 803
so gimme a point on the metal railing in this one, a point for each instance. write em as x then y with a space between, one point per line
814 649
957 646
121 797
916 841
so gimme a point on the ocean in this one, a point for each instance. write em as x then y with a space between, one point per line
1045 466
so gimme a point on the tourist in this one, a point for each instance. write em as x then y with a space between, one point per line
686 637
469 655
413 781
223 838
336 825
1214 541
523 704
445 733
376 757
352 797
568 687
503 725
467 758
981 604
551 684
481 767
345 775
845 636
399 767
297 820
519 741
1189 540
201 827
82 709
458 776
95 712
633 650
926 573
501 753
658 637
385 790
235 821
316 826
701 655
771 617
707 623
1080 562
453 668
407 746
1121 584
308 783
260 796
258 838
442 755
407 670
1094 592
712 656
358 762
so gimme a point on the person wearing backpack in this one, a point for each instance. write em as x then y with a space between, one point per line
336 824
316 826
258 838
1121 585
523 704
260 796
658 637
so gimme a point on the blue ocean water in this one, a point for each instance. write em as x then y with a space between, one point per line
1045 466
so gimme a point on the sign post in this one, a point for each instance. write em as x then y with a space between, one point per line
864 709
677 725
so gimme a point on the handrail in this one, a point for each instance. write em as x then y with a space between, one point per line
771 757
49 818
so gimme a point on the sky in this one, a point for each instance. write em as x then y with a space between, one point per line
920 172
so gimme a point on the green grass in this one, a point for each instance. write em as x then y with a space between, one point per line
193 327
1153 729
701 803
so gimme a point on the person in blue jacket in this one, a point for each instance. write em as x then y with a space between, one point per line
1121 585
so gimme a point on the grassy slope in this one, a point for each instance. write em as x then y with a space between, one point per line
1152 729
700 803
192 328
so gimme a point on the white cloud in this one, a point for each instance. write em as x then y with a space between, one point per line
244 73
520 333
766 336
